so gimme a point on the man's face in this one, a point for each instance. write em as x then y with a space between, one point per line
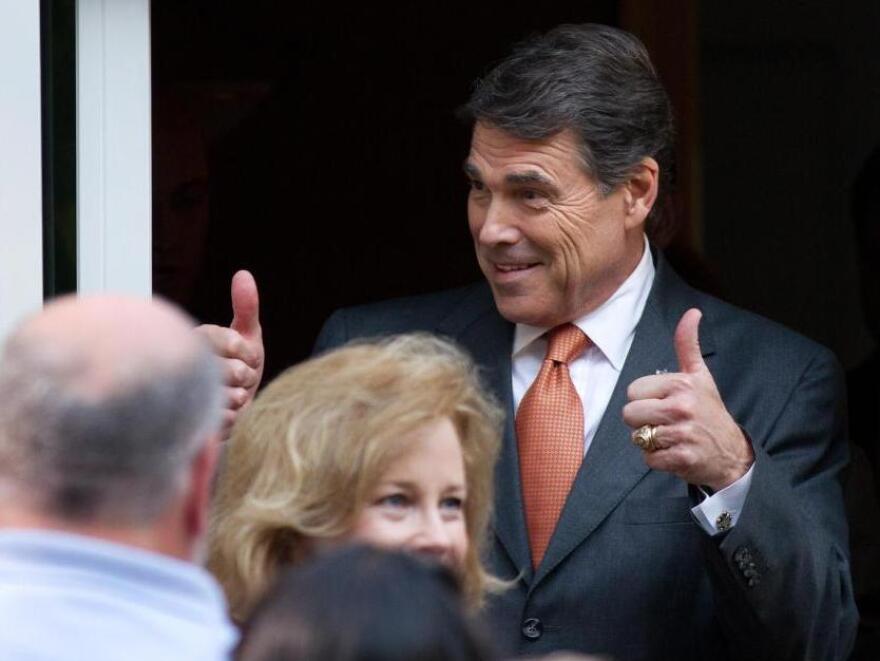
550 244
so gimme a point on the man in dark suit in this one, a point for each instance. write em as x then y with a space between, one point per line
714 530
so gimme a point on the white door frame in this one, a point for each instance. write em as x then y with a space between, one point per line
21 174
114 208
114 146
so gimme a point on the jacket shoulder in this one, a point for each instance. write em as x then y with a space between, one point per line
731 330
428 312
758 337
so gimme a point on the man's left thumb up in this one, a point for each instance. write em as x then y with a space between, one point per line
687 342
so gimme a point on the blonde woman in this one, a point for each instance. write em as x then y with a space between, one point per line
391 442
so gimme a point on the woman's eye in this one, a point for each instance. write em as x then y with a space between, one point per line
394 500
452 503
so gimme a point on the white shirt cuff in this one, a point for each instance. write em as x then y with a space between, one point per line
720 511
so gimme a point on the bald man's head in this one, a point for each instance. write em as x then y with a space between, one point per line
108 342
103 403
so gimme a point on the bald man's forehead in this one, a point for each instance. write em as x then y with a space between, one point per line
116 317
111 340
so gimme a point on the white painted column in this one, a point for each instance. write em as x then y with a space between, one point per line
114 208
21 188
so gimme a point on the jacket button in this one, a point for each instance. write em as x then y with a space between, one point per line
532 628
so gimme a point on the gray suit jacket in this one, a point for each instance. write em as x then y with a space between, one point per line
628 572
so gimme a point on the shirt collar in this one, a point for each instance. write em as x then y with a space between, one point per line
611 325
33 548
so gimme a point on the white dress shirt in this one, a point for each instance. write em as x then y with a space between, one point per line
611 329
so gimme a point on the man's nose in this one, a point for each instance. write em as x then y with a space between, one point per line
498 226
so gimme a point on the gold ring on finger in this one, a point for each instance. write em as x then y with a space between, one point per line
646 438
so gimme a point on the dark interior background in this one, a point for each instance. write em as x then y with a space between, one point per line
315 144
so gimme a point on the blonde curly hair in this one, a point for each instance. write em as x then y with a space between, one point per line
304 458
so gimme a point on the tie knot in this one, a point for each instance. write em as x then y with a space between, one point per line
565 343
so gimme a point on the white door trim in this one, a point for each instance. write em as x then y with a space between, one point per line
114 180
21 174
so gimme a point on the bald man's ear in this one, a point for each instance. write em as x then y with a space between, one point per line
202 471
640 192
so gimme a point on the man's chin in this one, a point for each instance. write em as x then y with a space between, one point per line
524 309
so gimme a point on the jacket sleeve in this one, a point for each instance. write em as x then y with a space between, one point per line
781 575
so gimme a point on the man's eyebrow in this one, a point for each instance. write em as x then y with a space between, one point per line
529 177
471 170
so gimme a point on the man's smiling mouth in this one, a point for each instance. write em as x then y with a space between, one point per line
509 268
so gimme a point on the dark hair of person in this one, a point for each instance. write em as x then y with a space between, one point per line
595 80
360 603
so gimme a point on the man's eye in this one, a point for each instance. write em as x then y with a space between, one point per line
531 194
477 185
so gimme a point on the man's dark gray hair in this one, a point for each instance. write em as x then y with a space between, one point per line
115 458
595 80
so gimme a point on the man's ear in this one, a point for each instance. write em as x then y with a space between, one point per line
202 469
640 191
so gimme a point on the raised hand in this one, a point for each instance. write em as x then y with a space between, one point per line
240 346
696 437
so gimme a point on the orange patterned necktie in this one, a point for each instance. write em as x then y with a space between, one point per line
550 437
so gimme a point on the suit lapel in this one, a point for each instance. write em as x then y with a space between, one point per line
614 465
489 339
